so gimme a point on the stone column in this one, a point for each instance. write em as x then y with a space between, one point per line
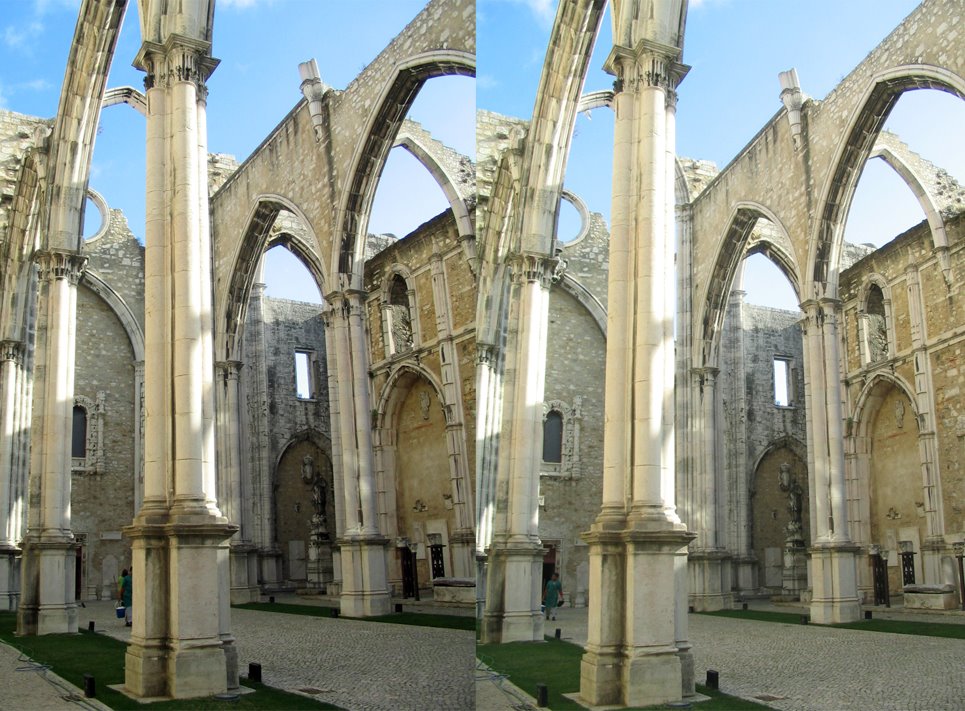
933 547
232 495
463 538
637 540
11 360
833 565
48 605
514 577
181 645
364 588
708 559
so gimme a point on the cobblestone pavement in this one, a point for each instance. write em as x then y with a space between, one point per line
359 666
812 668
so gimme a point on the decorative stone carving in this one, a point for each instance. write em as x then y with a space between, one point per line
424 402
570 466
899 413
92 462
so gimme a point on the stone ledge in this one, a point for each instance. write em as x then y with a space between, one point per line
930 597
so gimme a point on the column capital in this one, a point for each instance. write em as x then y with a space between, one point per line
532 268
54 264
647 64
180 58
11 350
229 368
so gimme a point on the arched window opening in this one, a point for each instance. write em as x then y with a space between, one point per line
400 316
553 438
78 442
877 325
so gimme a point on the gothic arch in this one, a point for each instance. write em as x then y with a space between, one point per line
736 244
256 240
378 137
126 95
78 114
426 153
883 91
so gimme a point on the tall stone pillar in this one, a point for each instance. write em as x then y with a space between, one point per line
234 495
463 538
514 575
364 587
708 560
181 645
833 566
637 541
47 605
933 547
11 360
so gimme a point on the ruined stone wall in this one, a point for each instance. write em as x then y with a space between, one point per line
792 184
17 136
908 258
102 492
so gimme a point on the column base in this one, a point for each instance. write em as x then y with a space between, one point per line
365 588
632 658
9 579
834 578
178 647
244 589
463 543
50 607
513 580
709 569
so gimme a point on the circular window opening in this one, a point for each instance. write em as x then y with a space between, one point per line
572 223
95 216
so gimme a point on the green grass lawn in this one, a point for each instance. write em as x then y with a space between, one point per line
398 618
923 629
557 664
73 655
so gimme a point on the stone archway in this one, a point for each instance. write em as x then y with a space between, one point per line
415 460
304 502
773 498
889 471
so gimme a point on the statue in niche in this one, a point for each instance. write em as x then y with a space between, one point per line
789 484
877 337
899 413
319 498
424 404
308 469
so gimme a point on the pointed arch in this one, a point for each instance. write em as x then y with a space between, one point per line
738 242
93 281
872 110
377 139
258 237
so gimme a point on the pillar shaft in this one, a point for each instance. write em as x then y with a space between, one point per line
637 542
181 645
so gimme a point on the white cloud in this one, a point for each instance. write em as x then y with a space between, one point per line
486 81
242 4
543 10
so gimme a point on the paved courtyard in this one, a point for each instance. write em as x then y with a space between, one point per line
811 668
359 666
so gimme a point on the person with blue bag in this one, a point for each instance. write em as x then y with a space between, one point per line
125 595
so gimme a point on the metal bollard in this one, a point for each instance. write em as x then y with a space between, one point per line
89 689
867 614
90 626
805 619
713 679
541 696
254 672
398 607
271 598
334 612
558 633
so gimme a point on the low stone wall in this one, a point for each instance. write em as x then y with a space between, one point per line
461 591
930 597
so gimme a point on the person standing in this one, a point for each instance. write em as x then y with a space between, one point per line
552 596
125 595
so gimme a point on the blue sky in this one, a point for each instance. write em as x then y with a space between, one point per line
260 44
736 49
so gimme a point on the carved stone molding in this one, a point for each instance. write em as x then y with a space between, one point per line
53 265
532 268
92 462
570 466
12 351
